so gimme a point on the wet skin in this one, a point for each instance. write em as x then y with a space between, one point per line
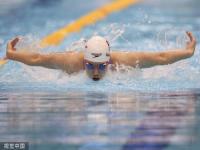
72 62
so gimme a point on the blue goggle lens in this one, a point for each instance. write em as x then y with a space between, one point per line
91 66
102 66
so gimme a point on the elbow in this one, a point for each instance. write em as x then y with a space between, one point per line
36 60
163 59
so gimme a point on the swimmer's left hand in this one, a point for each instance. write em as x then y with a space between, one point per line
192 43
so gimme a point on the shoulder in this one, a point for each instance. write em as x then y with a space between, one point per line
116 56
75 58
69 61
73 54
68 56
125 58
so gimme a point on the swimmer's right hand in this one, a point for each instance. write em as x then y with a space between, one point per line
11 46
191 44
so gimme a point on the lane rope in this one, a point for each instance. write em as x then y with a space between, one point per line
57 37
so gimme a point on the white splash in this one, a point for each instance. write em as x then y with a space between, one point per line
28 43
160 77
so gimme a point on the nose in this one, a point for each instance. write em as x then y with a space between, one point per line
96 72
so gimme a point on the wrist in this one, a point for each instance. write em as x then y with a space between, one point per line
190 52
9 54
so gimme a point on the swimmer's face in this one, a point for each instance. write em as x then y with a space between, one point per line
96 71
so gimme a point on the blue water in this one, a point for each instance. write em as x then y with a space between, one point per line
155 108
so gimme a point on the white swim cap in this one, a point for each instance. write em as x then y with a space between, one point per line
97 50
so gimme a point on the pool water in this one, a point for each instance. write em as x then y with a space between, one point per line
96 120
155 108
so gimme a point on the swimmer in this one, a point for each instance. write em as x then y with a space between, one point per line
97 56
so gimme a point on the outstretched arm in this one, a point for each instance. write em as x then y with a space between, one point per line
149 59
68 61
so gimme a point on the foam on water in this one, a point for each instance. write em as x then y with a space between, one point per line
125 34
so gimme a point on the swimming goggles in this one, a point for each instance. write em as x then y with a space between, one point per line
101 67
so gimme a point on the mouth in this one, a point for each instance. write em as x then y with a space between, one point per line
96 79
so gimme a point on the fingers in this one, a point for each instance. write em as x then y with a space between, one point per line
190 35
11 44
14 41
192 43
